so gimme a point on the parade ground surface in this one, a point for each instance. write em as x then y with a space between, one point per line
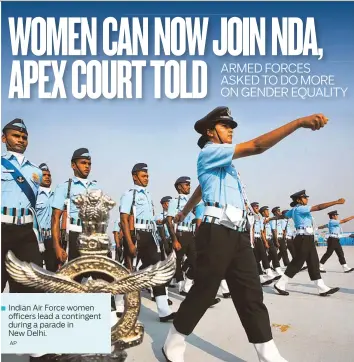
306 327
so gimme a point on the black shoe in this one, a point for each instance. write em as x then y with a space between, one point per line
153 299
171 286
168 318
170 302
349 271
226 295
281 292
119 314
305 267
321 271
182 292
277 277
164 354
215 301
331 291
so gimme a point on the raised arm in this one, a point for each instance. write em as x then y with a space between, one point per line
346 220
280 217
327 205
270 139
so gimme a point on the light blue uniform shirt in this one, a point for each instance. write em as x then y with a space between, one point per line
279 226
217 175
44 207
258 224
268 229
289 228
334 227
116 226
11 194
199 211
77 188
143 204
176 205
301 216
160 217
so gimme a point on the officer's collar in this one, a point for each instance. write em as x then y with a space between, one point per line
216 143
139 188
10 154
45 190
213 143
183 196
84 182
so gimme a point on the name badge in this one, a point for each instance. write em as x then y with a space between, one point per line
8 171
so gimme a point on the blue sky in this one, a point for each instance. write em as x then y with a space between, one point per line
120 133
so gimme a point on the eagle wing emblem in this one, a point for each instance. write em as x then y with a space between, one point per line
154 275
32 275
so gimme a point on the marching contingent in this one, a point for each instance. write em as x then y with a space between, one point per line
224 244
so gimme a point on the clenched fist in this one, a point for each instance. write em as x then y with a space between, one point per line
315 121
61 254
179 217
176 245
341 201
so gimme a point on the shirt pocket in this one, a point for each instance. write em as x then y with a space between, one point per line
141 200
7 182
73 196
40 206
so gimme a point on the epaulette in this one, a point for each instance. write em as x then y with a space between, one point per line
32 164
128 191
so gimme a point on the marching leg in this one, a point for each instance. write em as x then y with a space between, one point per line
327 254
268 352
272 252
119 301
315 275
225 289
340 253
302 244
175 346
